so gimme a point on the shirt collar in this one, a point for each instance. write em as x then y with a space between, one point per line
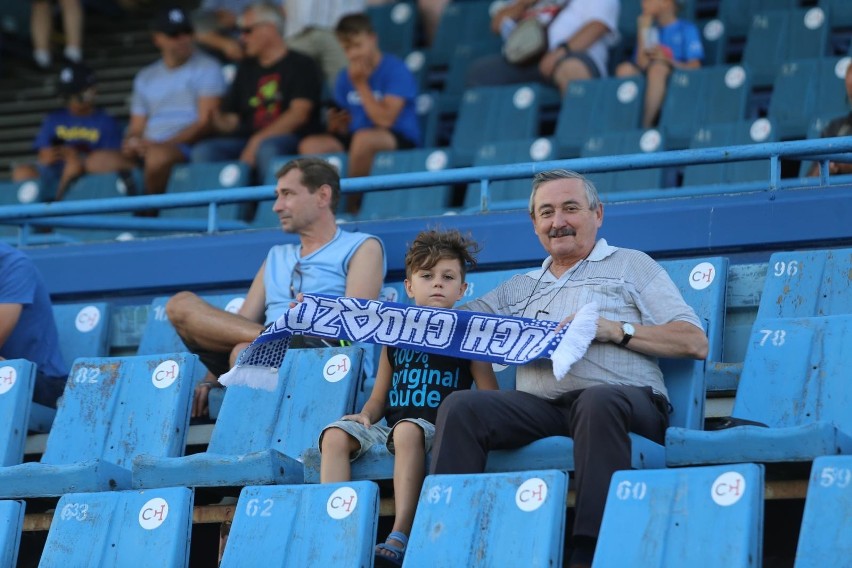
600 251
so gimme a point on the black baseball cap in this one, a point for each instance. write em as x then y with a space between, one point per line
172 21
75 78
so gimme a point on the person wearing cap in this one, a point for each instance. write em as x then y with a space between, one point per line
75 140
273 101
663 42
173 100
375 98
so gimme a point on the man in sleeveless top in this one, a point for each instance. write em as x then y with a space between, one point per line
326 260
616 388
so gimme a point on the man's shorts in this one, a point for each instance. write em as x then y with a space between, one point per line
378 433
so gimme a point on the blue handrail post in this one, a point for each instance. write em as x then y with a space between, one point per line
484 195
774 172
823 172
212 218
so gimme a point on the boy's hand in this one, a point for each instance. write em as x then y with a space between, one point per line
361 418
338 121
359 72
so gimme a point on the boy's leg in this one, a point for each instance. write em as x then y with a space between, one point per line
409 469
336 446
657 77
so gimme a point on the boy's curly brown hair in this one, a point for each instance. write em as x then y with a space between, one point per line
432 245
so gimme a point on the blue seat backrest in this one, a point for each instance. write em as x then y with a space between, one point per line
699 97
314 525
315 387
703 284
11 524
187 178
796 372
807 283
99 186
739 14
83 330
627 142
463 55
459 20
491 114
805 89
758 131
777 36
488 519
159 336
17 378
714 38
826 523
841 13
411 202
120 528
17 193
509 152
667 517
595 107
395 25
115 408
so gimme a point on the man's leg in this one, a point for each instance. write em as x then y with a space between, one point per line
470 423
366 143
571 69
319 144
159 161
107 161
207 328
217 149
601 418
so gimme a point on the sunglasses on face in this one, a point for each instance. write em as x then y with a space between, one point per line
296 280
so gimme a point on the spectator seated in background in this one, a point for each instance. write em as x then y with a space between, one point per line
216 31
273 101
663 43
375 97
309 28
76 140
840 126
326 260
579 34
27 328
435 268
616 388
173 100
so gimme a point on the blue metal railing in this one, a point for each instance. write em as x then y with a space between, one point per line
84 213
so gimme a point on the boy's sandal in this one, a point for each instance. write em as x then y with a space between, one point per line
397 554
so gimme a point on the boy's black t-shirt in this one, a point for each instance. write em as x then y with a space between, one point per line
259 94
421 381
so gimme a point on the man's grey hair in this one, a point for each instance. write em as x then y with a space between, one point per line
266 12
542 178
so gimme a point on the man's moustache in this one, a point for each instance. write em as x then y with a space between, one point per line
564 232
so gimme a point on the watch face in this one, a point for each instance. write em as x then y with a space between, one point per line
628 328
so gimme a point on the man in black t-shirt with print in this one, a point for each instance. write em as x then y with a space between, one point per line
273 101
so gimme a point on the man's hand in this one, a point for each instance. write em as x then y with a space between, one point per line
200 407
548 62
338 121
249 153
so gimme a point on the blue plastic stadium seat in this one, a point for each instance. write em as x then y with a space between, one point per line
795 380
778 36
508 519
113 409
83 330
759 131
456 78
17 193
17 378
739 14
187 178
459 20
826 523
508 152
11 524
101 186
626 142
700 97
412 202
493 114
312 391
597 107
319 525
395 25
674 518
122 528
807 283
714 38
805 89
841 13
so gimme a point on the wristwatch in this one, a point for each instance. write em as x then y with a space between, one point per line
628 330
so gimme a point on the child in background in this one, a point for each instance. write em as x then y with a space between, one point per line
663 43
409 387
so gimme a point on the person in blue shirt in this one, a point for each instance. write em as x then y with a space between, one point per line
663 42
75 140
27 328
374 103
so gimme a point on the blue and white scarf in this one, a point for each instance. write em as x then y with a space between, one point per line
500 339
